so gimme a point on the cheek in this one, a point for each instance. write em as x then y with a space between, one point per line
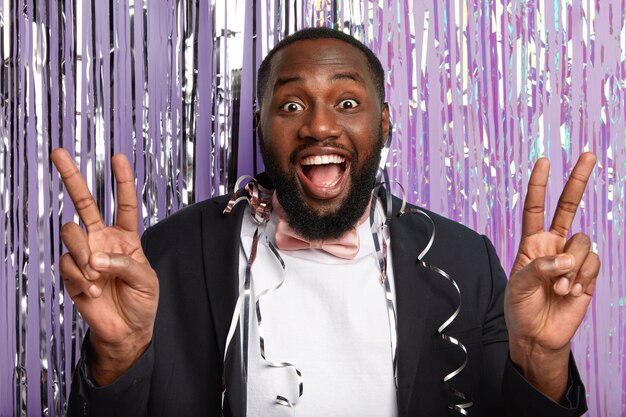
283 138
277 148
365 138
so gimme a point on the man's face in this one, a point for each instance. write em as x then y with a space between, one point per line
321 127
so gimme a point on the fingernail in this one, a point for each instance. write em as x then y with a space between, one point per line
91 273
563 261
94 291
577 289
100 260
562 285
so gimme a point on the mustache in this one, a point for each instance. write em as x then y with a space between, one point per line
310 144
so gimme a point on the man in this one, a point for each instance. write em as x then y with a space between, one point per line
373 328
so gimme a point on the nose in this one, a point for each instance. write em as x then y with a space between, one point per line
320 124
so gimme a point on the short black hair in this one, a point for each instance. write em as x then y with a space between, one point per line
375 67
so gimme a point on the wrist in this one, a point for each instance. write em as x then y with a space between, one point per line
108 361
546 369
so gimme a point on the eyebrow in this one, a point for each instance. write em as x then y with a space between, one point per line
287 80
348 76
281 81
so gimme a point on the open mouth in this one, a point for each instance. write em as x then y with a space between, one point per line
323 176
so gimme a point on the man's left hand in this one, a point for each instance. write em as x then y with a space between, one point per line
551 283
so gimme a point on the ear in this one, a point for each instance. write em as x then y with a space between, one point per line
385 121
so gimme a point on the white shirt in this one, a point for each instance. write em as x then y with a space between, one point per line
329 319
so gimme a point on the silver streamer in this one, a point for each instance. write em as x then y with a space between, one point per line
279 398
461 407
259 201
381 255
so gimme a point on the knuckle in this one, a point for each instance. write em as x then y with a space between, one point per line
68 269
68 229
126 207
582 237
72 289
74 292
560 230
568 206
578 176
595 258
534 209
84 202
538 267
65 264
592 264
69 173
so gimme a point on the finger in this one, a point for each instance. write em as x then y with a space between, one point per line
572 194
542 270
77 244
587 276
578 247
138 275
75 282
534 205
127 217
77 189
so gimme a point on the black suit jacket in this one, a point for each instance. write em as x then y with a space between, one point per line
195 253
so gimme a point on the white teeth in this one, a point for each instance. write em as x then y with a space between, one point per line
323 159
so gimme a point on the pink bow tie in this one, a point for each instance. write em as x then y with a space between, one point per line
346 247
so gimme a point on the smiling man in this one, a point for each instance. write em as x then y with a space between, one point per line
322 125
313 291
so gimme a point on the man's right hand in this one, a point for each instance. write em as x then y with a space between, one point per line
106 272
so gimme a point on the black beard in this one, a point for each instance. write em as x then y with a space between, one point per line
306 221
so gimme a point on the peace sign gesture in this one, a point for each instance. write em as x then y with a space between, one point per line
106 272
551 283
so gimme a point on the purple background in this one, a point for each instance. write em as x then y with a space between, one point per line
478 90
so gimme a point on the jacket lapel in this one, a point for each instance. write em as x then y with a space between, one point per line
409 236
221 234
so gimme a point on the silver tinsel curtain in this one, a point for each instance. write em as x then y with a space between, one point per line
478 90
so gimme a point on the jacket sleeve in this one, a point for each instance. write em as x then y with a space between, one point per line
519 397
126 396
528 402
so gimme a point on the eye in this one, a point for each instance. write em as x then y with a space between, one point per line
348 104
292 107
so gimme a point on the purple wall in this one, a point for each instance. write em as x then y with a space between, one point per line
478 90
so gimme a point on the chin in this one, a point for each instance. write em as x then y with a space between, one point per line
324 207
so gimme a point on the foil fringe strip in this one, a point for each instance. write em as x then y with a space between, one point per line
539 67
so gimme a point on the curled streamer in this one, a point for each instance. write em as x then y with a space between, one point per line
279 398
259 199
260 202
466 401
381 256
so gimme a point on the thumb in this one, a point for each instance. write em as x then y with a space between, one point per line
138 275
544 270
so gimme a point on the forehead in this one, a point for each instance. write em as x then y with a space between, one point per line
315 55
